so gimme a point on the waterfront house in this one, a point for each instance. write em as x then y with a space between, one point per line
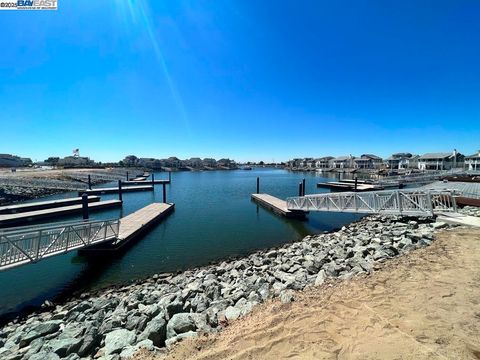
440 161
304 163
226 163
209 162
194 162
323 162
342 162
402 161
472 162
368 161
294 163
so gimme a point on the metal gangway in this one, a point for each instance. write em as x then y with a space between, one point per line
394 202
30 244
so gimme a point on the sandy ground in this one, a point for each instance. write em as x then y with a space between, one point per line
425 305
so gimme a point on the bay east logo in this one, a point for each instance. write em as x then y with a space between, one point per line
29 5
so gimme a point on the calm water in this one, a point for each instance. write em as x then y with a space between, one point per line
214 219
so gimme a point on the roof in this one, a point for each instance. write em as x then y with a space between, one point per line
325 158
342 158
371 156
435 155
474 156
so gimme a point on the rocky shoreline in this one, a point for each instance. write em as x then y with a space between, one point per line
159 311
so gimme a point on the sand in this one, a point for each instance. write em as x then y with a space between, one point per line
425 305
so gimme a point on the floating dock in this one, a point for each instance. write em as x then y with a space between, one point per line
134 225
277 205
20 208
348 186
25 217
144 182
114 190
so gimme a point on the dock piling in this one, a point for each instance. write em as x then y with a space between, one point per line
127 175
89 182
356 183
303 187
300 190
85 206
258 185
153 180
120 195
164 190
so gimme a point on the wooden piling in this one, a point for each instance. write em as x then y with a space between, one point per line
89 182
303 187
356 183
127 175
258 185
85 206
120 195
164 190
300 190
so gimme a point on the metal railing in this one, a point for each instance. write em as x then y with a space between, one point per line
30 244
396 202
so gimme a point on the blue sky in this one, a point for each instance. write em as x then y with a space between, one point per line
247 79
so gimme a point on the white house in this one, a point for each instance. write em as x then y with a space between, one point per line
323 162
342 162
440 161
368 161
472 162
402 161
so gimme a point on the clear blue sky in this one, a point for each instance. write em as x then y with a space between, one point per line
246 79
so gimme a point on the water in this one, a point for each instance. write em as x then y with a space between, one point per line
214 219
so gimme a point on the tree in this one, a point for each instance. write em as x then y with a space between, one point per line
52 161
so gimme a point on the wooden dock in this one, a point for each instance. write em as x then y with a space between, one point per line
134 226
114 190
33 206
277 205
348 186
26 217
145 182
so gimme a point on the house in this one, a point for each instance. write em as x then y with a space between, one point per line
194 162
173 162
472 162
294 163
342 162
323 162
440 161
368 161
209 162
402 161
304 163
226 163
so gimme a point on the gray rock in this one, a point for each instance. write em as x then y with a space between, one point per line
155 330
91 339
129 351
180 323
44 356
232 313
40 330
64 347
320 279
188 335
287 296
117 340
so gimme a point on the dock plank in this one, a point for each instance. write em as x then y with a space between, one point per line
349 186
146 182
277 205
114 190
40 205
26 217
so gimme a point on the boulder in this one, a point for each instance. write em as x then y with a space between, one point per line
180 323
155 330
117 340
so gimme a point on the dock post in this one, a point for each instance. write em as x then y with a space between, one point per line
303 187
127 175
300 191
89 182
356 183
85 206
120 195
153 180
258 185
164 193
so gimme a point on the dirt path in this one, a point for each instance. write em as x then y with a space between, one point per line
422 306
